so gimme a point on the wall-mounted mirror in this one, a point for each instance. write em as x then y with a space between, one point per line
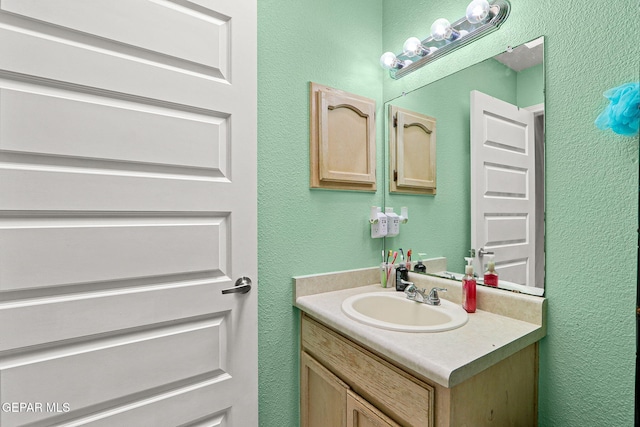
490 170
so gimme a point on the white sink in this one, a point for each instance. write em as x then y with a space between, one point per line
393 311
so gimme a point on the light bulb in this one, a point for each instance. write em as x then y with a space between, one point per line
441 29
388 60
477 11
413 46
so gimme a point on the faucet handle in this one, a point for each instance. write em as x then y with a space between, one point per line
433 295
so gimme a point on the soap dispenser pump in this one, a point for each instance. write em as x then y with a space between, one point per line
469 288
490 276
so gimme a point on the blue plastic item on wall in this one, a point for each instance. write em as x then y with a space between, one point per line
622 115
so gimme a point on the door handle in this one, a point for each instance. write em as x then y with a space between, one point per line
482 252
242 286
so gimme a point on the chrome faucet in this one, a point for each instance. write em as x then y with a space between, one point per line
419 295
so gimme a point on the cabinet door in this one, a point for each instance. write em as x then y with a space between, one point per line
380 383
361 413
412 152
323 397
342 140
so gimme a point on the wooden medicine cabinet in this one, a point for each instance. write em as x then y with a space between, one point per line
412 152
342 140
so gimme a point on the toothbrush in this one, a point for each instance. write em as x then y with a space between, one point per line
395 255
387 269
383 272
408 263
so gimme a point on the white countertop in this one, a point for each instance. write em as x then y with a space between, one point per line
447 358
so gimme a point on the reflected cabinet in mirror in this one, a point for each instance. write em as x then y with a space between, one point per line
412 152
490 168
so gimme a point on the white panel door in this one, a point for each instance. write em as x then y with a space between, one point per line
127 204
503 187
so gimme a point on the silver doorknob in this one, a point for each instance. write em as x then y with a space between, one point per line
482 252
242 286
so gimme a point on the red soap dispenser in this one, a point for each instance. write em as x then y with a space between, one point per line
469 288
490 276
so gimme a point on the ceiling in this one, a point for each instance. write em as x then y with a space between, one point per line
523 56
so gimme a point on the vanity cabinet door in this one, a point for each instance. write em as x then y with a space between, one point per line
323 397
361 413
383 385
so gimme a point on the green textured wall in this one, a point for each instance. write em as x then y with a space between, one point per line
303 231
530 86
587 359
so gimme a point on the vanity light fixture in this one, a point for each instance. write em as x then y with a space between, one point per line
481 18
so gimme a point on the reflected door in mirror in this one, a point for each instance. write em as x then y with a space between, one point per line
503 214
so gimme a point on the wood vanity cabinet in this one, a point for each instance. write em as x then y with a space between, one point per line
328 401
344 384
